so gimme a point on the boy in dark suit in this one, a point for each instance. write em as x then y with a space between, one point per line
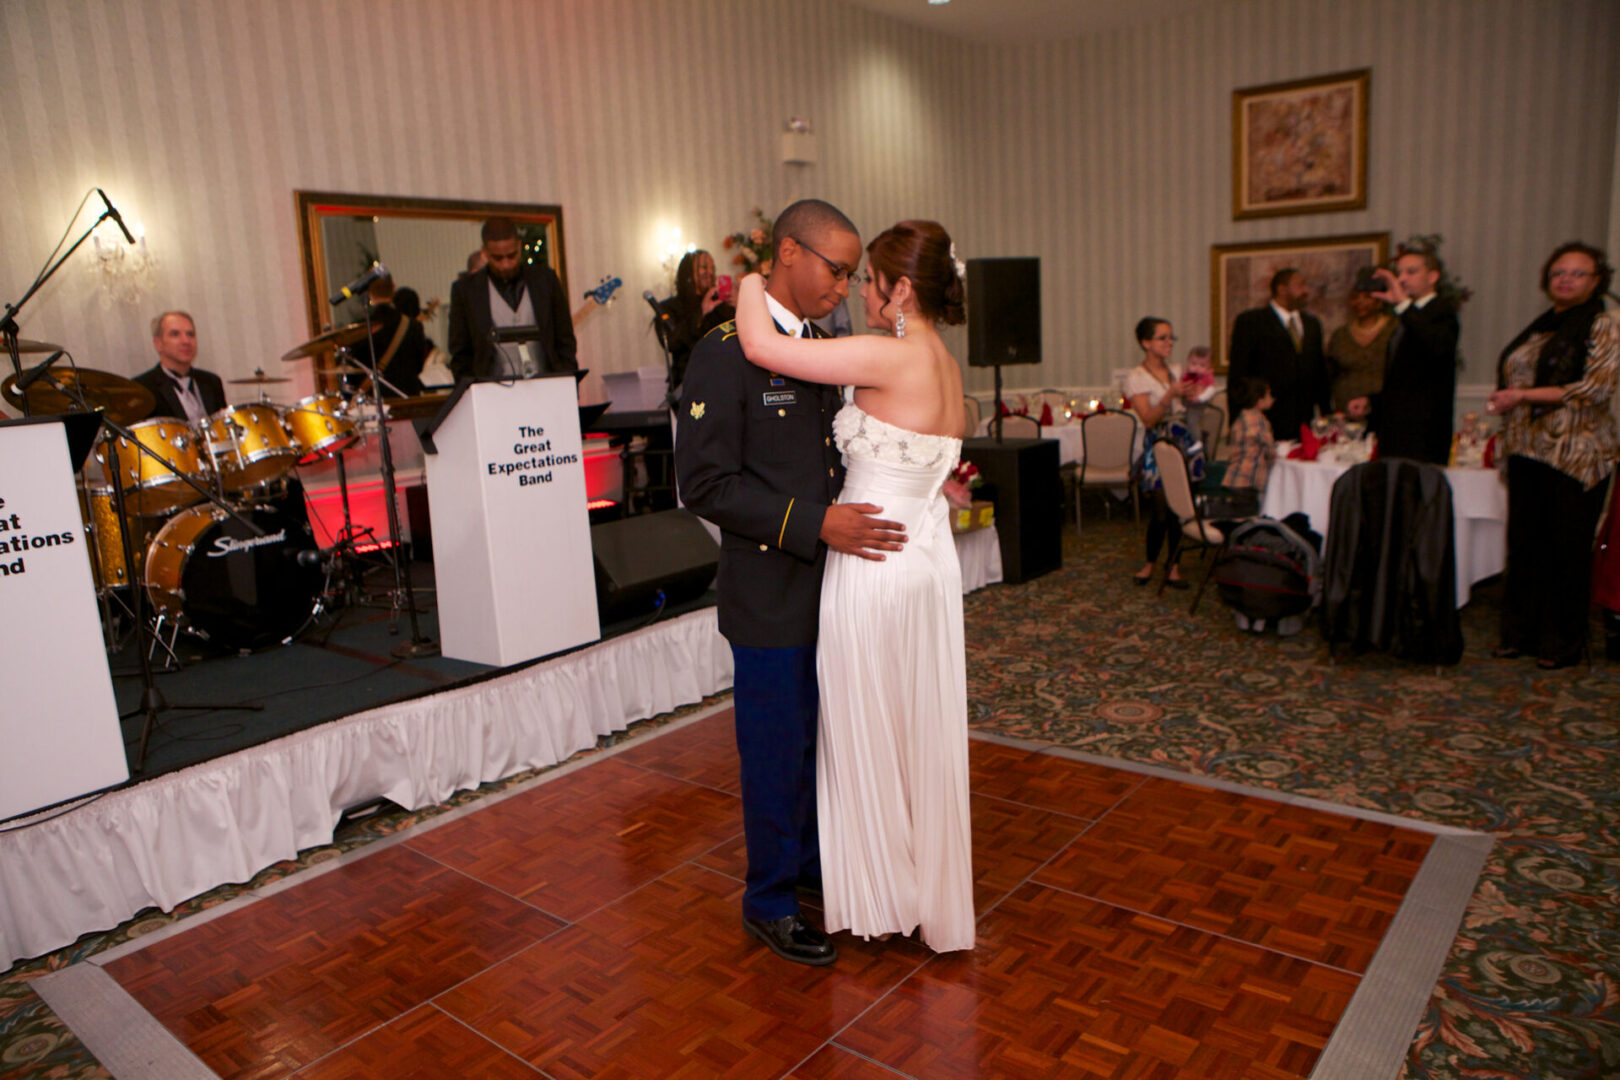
755 456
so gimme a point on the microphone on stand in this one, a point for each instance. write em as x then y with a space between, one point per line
37 372
375 271
652 302
118 219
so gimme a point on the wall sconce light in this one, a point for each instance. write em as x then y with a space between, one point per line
125 270
798 143
671 249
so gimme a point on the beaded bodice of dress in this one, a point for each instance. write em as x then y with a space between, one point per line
862 437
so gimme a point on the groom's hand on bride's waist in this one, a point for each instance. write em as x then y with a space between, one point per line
852 529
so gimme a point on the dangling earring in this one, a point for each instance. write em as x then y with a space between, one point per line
899 323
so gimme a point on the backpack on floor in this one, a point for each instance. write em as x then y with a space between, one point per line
1268 571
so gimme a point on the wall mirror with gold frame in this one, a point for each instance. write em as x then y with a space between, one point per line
424 243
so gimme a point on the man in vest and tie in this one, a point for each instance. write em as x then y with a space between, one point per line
1281 343
179 389
509 292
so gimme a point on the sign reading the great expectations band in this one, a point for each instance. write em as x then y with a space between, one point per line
511 534
58 721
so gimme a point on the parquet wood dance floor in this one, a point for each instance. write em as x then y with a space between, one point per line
588 927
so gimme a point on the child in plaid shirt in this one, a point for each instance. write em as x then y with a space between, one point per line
1253 447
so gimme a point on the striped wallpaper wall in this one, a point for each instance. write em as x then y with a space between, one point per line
1494 123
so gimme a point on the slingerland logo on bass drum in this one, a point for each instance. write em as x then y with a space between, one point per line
225 545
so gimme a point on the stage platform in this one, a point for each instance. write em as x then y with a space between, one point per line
224 794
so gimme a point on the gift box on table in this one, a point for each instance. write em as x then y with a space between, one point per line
972 517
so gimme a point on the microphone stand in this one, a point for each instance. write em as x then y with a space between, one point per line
9 330
152 700
403 589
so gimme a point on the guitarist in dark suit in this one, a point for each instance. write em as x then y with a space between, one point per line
507 293
1412 414
182 391
755 456
1282 344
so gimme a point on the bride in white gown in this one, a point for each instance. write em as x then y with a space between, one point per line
891 759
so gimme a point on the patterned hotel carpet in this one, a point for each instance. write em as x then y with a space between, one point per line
1083 659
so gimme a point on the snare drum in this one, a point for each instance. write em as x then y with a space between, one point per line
250 445
320 427
152 486
234 588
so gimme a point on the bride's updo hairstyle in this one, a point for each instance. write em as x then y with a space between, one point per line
921 251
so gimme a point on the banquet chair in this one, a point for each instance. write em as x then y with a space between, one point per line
970 406
1018 426
1107 452
1220 401
1178 495
1211 425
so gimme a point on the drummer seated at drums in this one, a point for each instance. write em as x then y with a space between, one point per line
180 389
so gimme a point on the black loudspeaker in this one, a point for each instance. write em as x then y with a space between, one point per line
642 556
1029 502
419 522
1004 311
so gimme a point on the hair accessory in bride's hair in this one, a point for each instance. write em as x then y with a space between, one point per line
961 267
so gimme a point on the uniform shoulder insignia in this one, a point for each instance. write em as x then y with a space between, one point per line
726 330
698 409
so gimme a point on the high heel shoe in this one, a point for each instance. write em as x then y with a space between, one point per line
1140 580
1176 583
1505 652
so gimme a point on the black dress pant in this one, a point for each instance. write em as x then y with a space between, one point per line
1548 596
1162 524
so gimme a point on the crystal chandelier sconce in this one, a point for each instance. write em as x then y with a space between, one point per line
125 269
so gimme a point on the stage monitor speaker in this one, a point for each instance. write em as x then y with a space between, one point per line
1029 502
640 557
1004 311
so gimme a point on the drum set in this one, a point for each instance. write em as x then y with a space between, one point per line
214 519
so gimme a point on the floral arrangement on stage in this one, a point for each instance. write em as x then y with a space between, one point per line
752 246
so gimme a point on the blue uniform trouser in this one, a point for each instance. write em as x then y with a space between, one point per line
776 701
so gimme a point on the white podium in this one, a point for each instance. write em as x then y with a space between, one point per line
511 534
59 722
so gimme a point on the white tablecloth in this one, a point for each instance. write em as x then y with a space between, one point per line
1478 508
1070 449
980 554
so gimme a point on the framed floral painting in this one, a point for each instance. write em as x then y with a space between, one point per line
1240 278
1300 147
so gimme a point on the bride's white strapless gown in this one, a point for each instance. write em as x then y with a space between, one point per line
891 760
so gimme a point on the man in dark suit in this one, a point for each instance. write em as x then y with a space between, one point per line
1412 414
1282 344
755 456
507 292
181 390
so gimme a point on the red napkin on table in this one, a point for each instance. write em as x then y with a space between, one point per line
1309 445
1004 410
1046 414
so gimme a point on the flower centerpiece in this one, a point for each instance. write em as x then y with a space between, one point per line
958 487
751 246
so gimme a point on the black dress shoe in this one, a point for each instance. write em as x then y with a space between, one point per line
791 938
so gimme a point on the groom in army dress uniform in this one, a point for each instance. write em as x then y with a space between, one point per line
755 456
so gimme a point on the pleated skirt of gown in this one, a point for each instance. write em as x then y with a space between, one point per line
891 760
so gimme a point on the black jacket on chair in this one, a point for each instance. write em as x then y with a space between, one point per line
1390 570
209 388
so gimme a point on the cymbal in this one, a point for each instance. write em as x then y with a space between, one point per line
331 339
259 379
411 408
124 400
24 346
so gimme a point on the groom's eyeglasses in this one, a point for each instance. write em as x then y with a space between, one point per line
840 272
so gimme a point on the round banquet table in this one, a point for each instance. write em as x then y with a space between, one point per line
1478 508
